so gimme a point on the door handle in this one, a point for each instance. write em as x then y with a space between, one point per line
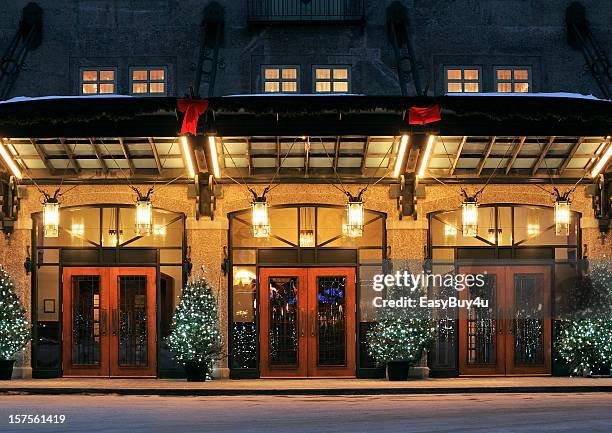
115 320
312 324
103 323
303 324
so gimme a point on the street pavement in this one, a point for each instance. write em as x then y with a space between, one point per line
473 413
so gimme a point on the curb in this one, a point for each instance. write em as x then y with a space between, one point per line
298 392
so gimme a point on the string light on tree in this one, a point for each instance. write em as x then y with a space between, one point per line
14 327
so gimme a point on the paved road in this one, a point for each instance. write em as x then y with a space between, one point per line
380 414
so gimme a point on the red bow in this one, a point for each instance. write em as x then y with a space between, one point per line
423 115
193 109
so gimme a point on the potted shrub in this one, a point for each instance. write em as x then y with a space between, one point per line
14 327
400 337
196 340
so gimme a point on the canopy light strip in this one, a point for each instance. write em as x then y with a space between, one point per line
401 153
603 161
187 154
9 161
426 156
212 145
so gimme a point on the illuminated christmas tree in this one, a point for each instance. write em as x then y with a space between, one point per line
585 337
14 327
196 339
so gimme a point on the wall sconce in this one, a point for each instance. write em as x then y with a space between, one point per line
354 216
562 213
469 215
51 216
260 217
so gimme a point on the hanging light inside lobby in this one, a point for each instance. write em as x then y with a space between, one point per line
469 215
51 216
354 216
562 213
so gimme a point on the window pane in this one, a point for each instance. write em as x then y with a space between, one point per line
289 86
89 89
290 74
323 86
107 75
271 74
90 75
139 75
156 74
454 87
341 74
504 74
157 88
271 87
322 74
139 87
453 74
471 87
470 74
504 87
521 87
521 74
340 86
107 88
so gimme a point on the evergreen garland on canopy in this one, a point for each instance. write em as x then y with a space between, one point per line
195 333
14 327
585 337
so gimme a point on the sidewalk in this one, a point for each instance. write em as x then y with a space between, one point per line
306 386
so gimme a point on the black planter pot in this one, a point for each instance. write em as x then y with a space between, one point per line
6 369
398 370
196 371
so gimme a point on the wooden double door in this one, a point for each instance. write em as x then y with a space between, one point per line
307 322
512 335
109 322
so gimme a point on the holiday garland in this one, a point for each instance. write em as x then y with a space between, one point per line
14 327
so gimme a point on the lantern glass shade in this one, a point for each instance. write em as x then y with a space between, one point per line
562 217
354 219
51 218
143 217
470 218
260 219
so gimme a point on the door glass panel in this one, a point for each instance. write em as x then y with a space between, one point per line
283 334
482 324
528 319
133 326
86 320
331 320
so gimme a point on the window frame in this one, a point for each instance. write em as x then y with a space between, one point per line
331 79
148 81
280 80
462 81
512 80
98 69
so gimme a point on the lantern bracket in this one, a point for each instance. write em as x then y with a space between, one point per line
407 197
9 204
602 202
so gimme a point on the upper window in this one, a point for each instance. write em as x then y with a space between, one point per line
332 79
98 81
462 79
280 79
148 81
513 79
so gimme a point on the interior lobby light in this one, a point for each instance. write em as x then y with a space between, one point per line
426 156
603 161
51 217
562 215
9 161
260 218
77 230
212 146
307 238
187 154
354 217
470 216
401 153
244 277
143 216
